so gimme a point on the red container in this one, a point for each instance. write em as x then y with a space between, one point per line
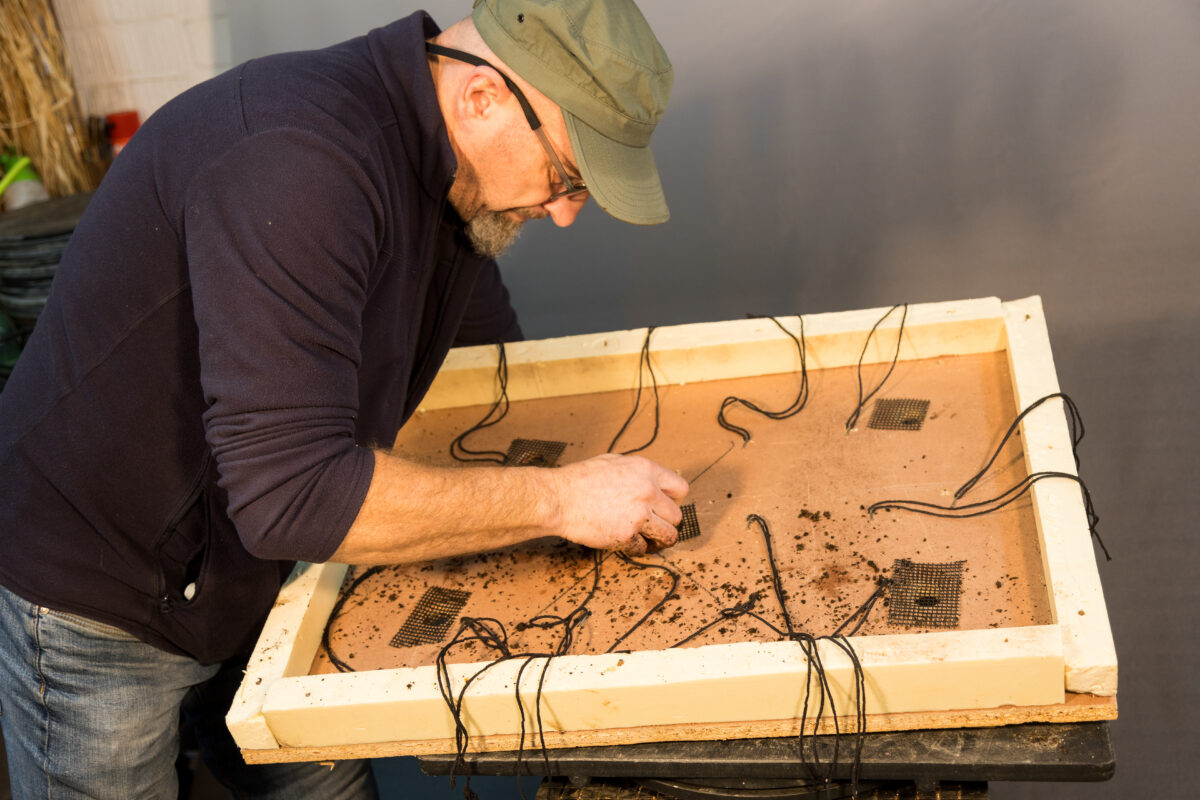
120 127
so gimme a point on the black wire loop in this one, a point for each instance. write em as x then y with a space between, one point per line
797 405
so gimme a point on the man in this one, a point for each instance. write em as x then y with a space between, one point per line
259 295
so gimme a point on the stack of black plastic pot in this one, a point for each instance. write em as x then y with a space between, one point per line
32 241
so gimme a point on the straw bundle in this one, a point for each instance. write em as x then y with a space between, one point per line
39 115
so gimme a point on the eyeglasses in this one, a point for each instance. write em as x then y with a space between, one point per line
570 187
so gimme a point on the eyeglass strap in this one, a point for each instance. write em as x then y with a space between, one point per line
558 165
459 55
530 116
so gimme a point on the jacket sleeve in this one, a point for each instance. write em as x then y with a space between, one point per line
489 317
281 236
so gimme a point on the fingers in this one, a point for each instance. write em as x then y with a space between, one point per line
636 546
625 503
658 532
663 506
662 530
673 485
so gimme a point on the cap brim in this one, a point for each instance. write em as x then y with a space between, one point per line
623 179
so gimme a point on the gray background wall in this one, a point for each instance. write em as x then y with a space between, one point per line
830 156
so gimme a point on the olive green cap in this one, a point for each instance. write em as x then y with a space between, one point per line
599 61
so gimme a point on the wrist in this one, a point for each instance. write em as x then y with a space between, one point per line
551 488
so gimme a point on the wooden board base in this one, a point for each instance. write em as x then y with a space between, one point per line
808 478
1077 708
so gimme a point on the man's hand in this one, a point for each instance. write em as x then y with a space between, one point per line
625 503
415 512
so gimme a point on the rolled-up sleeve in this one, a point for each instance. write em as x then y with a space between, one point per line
281 235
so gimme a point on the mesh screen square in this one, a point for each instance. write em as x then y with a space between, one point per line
899 414
431 618
689 526
924 595
533 453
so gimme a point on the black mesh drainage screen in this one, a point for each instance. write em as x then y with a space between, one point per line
432 617
533 453
689 526
924 595
899 414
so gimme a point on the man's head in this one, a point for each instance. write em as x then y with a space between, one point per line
547 102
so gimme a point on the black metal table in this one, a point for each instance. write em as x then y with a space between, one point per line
948 763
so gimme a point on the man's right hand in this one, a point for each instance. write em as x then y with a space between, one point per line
625 503
415 512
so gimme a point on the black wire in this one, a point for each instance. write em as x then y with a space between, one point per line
458 450
541 727
776 578
863 611
860 712
797 404
1074 420
521 716
955 511
662 602
480 632
492 635
814 667
644 364
497 640
725 615
852 420
338 664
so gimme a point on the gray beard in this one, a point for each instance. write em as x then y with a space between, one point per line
492 232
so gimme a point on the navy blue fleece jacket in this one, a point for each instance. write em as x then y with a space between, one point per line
263 288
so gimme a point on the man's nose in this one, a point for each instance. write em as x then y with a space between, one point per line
564 210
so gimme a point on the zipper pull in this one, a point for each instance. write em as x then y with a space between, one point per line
164 604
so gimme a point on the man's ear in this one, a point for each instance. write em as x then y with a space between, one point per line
483 95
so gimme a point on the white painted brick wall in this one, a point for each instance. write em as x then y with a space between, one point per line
210 42
137 54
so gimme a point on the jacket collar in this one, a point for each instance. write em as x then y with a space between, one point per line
398 52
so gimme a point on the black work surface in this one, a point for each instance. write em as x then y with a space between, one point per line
1033 752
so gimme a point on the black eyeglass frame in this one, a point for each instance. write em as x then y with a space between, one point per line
570 187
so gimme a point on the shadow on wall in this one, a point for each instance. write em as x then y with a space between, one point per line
882 132
822 137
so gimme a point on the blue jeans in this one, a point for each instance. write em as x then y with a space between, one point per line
89 711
